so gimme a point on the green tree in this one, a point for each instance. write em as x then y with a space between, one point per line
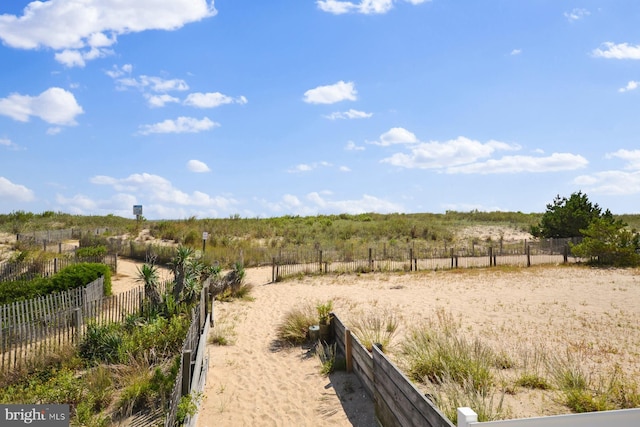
567 217
608 242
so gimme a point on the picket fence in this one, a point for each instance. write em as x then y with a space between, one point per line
411 260
33 329
31 269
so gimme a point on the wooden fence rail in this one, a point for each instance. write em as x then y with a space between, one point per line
369 262
397 402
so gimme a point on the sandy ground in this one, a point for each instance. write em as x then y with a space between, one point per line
593 313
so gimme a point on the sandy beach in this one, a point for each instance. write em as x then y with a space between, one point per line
595 313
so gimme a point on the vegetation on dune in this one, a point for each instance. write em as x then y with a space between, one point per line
118 368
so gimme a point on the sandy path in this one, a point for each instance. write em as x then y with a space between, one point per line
255 383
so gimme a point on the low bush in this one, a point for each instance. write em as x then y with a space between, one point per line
294 328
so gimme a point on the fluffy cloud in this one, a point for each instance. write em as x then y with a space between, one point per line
364 6
14 192
180 125
632 157
396 136
55 106
632 85
197 166
212 100
610 50
156 101
331 94
441 155
351 114
617 183
82 30
157 189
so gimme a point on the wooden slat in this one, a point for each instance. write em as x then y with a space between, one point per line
407 403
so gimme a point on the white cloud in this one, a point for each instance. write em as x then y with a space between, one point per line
331 94
212 100
75 58
303 167
616 183
54 130
117 72
180 125
396 136
14 192
364 6
157 189
6 142
351 146
556 162
152 83
441 155
515 52
351 114
632 85
157 101
632 158
54 105
576 14
82 30
617 51
345 169
197 166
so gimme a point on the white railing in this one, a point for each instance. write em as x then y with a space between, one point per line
619 418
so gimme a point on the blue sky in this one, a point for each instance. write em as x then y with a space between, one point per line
303 107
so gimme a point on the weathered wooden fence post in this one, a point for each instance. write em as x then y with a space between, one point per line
186 372
77 321
320 260
370 259
410 259
347 350
528 256
490 256
565 257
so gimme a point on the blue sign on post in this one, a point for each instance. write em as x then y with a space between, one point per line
137 210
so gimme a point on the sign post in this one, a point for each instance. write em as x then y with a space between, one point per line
205 236
137 211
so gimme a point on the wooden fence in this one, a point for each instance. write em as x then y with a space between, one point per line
194 362
35 328
412 260
397 402
28 270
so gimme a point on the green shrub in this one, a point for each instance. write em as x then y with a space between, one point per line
79 275
103 343
91 251
22 290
